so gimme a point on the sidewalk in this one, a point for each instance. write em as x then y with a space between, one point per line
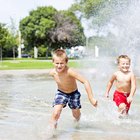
21 72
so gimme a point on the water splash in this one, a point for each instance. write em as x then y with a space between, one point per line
125 28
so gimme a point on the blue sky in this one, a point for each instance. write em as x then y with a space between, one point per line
18 9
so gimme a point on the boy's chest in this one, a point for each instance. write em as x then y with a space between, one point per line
62 78
123 78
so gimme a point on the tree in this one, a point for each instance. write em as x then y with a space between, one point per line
100 11
14 37
7 41
51 28
3 38
34 28
68 31
10 46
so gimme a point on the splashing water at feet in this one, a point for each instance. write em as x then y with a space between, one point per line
49 133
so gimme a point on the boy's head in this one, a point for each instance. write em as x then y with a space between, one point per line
60 60
124 63
123 57
60 53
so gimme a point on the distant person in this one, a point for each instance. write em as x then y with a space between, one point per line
125 83
67 92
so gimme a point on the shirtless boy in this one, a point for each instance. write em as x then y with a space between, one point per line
125 83
67 92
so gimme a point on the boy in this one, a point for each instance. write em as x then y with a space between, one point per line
67 91
125 82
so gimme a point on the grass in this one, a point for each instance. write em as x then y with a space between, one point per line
31 64
25 64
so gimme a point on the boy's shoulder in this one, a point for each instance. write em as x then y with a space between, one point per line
116 72
52 72
72 71
132 73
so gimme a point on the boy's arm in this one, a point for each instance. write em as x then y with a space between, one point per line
87 86
89 93
133 88
109 85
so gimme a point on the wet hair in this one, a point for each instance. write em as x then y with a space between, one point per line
60 53
123 56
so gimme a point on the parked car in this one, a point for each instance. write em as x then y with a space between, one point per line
76 52
25 56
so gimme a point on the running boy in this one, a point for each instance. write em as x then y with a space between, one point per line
67 92
125 82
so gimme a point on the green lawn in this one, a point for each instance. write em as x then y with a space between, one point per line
16 64
30 64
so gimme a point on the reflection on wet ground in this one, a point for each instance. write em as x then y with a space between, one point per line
26 106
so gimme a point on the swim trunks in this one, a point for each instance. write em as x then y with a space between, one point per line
72 99
120 97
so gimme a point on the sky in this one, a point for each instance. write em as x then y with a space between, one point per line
18 9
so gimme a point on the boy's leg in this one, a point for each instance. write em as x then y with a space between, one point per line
122 109
76 114
55 115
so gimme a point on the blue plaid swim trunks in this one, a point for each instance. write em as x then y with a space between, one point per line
72 99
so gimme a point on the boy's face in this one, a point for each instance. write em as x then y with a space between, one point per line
59 63
124 65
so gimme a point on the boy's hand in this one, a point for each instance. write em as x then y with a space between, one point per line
94 103
129 99
106 95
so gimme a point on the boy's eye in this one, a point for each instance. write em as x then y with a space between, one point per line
59 63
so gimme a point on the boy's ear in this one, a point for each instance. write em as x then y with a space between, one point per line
67 60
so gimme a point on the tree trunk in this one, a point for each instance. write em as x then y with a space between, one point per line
0 53
14 53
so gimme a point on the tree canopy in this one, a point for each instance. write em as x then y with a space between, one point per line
51 28
100 11
7 41
3 35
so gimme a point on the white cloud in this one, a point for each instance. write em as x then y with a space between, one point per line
18 9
